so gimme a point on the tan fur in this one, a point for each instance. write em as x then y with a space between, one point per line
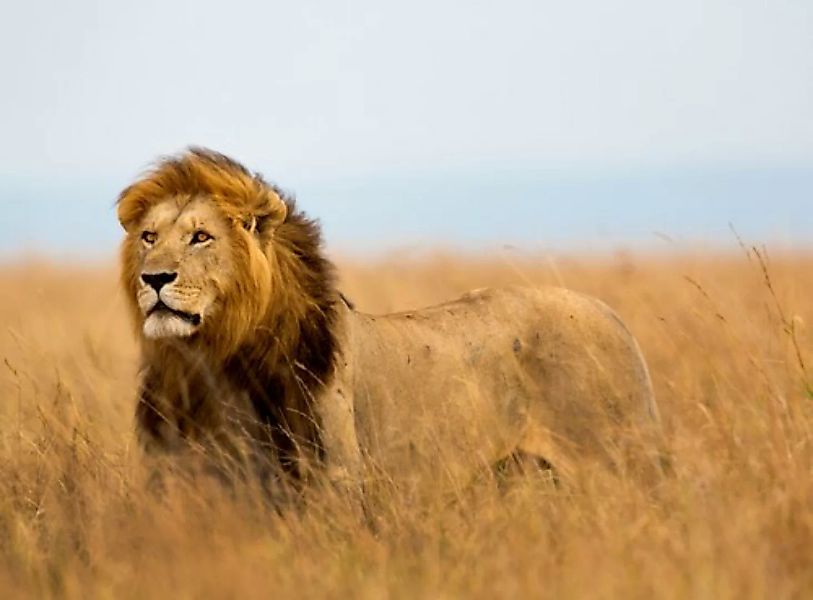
280 367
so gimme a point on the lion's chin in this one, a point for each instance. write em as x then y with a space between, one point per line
163 324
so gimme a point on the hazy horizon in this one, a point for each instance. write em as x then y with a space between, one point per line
566 211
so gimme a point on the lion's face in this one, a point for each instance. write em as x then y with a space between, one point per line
199 258
183 258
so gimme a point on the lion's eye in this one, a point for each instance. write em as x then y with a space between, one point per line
149 237
201 237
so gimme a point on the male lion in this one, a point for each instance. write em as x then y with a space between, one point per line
250 353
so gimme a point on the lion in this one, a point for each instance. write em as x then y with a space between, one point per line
251 354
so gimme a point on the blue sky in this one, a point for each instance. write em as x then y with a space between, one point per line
583 124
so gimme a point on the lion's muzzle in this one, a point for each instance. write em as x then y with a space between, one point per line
167 307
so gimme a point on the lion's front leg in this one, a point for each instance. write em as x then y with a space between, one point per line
343 465
156 438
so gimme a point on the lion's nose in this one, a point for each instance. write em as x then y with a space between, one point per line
158 280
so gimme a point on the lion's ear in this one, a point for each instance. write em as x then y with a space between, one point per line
271 215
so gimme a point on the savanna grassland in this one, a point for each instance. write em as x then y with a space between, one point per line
729 342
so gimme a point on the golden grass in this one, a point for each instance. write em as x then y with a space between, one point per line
727 348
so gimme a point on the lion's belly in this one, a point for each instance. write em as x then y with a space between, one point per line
451 388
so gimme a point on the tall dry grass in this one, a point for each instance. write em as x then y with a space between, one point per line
728 342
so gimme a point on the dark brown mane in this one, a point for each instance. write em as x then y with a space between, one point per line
284 372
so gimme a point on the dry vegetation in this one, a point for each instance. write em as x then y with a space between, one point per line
727 348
